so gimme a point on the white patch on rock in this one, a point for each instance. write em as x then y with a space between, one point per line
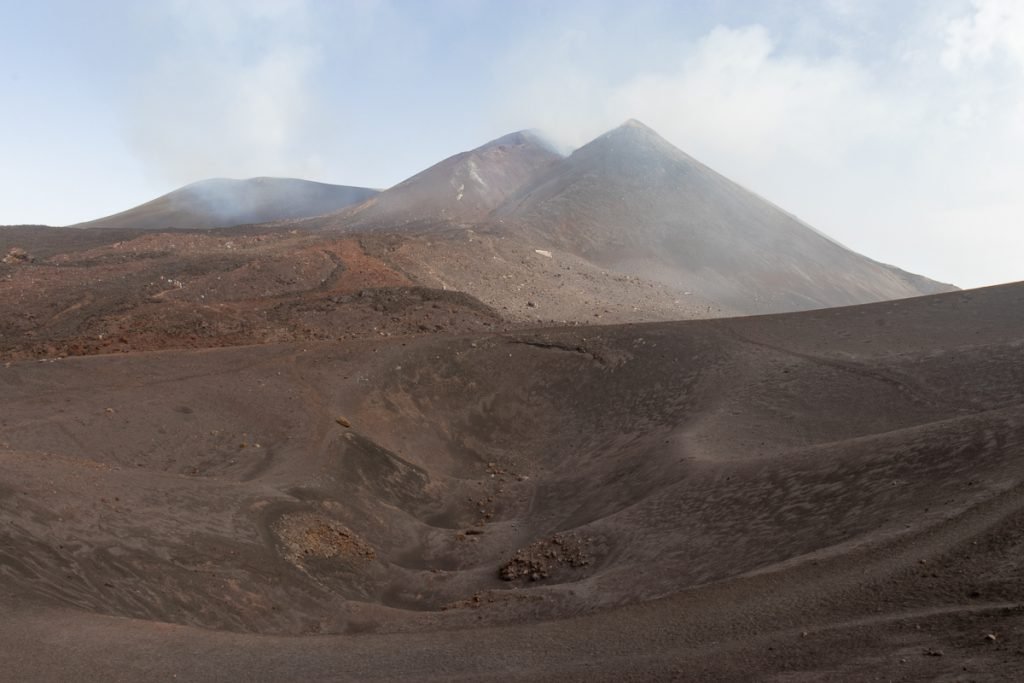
475 174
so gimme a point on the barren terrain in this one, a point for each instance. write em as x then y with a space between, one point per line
140 290
815 496
498 423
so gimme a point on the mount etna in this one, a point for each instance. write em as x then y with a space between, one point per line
626 229
523 416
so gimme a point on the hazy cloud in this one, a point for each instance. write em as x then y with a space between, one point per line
995 28
899 156
233 93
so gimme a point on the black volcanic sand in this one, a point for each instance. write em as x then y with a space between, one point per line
833 495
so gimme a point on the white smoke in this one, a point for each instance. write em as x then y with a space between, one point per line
995 28
233 95
910 156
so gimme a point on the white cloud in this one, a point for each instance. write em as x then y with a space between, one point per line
728 93
756 106
234 95
994 28
896 156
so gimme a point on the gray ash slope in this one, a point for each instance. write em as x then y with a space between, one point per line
828 495
461 189
222 202
632 202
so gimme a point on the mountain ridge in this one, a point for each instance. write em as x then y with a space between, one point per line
224 202
462 188
631 201
628 202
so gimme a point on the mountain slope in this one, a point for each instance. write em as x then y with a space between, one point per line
632 202
220 202
463 188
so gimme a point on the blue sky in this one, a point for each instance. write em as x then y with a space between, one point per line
895 127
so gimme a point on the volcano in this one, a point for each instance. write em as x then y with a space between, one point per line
631 202
462 189
221 202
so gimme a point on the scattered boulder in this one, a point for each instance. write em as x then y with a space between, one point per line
539 559
17 255
307 536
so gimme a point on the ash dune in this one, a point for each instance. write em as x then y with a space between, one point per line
831 492
222 202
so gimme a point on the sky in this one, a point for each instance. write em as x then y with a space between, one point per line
895 127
